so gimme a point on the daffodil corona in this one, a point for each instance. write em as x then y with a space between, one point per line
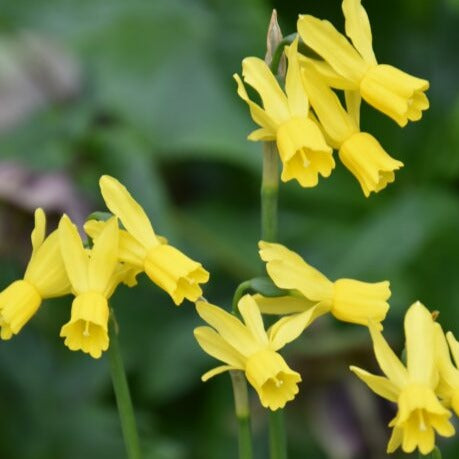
395 93
45 277
348 300
248 347
420 414
166 266
284 119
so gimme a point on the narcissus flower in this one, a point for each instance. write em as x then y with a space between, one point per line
359 151
45 277
348 300
94 275
248 347
284 119
390 90
448 386
420 414
166 266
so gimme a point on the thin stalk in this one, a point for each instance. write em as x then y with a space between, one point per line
241 406
435 454
269 192
277 438
121 388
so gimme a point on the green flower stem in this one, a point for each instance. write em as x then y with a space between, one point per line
239 293
121 388
279 50
241 405
277 438
435 454
269 192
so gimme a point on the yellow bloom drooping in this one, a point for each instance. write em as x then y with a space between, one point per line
93 275
166 266
45 277
390 90
359 151
248 347
284 119
448 386
348 300
420 414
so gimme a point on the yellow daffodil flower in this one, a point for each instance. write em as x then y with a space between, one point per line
348 300
94 275
247 346
140 247
359 151
420 414
45 277
448 386
390 90
284 119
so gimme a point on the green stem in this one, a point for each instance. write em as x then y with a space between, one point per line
239 293
241 406
121 388
277 438
435 454
279 50
269 192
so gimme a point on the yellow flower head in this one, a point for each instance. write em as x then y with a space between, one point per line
348 300
448 387
359 151
92 275
248 347
420 413
284 118
166 266
390 90
45 277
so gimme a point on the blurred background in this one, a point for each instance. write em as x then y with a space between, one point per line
142 90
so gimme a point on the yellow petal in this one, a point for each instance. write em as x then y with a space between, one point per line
290 328
229 328
454 346
289 271
326 41
336 122
296 94
123 205
46 270
353 100
212 343
358 29
74 255
252 318
395 440
387 360
263 134
258 75
258 114
216 371
375 169
283 304
39 231
328 74
378 384
420 342
104 257
449 374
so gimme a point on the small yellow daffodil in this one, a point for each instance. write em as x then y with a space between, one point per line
94 275
284 119
348 300
448 386
140 247
45 277
420 414
247 346
390 90
359 151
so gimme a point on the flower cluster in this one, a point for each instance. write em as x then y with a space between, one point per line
306 118
61 264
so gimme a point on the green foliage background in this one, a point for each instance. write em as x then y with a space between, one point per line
156 107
